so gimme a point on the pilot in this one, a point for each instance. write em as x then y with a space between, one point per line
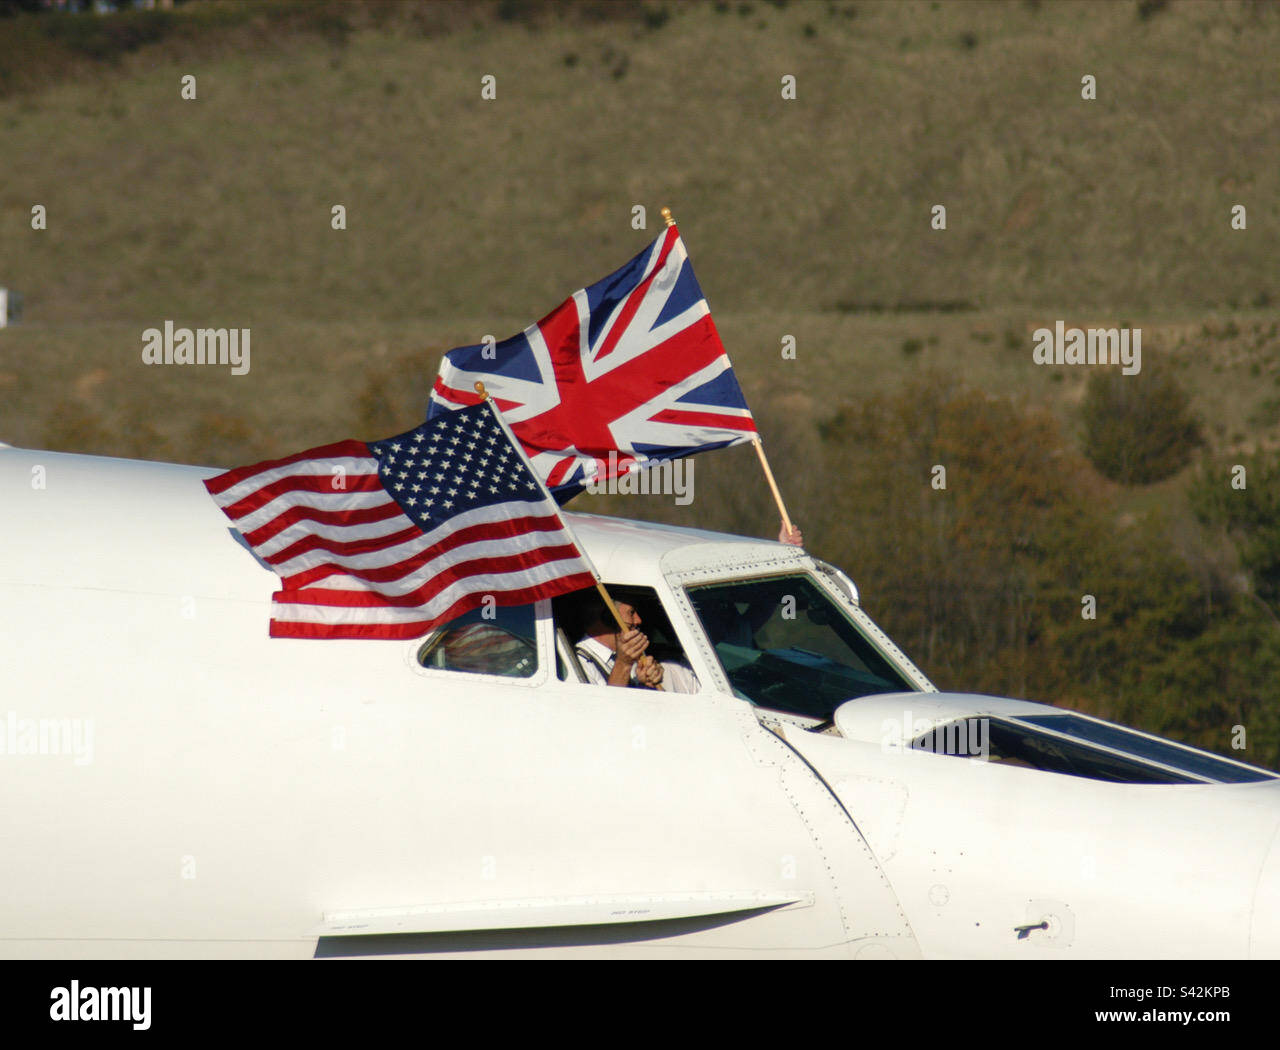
612 657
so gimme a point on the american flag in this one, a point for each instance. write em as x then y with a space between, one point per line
392 538
631 365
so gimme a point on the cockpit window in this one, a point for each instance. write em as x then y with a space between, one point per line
573 614
785 645
1166 752
500 641
1014 744
1080 747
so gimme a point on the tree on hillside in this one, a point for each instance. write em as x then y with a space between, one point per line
1138 428
983 582
963 519
1243 499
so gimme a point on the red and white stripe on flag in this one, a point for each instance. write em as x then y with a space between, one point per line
360 557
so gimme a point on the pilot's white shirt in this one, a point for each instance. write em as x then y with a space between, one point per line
676 678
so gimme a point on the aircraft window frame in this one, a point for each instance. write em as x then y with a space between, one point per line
567 658
852 608
544 648
913 680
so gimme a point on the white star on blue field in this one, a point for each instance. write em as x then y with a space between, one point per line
452 464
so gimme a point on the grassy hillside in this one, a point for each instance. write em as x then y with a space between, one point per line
460 206
809 217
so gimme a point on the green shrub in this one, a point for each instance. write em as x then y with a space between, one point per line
1138 429
106 39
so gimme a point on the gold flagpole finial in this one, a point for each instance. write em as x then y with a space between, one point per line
484 394
668 217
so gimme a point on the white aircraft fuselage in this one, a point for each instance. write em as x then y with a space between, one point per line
178 783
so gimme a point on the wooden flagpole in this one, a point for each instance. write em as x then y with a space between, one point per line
773 485
764 461
608 599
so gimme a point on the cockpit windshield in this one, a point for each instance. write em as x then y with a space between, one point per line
785 645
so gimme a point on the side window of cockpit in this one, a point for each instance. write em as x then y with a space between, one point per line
498 641
575 614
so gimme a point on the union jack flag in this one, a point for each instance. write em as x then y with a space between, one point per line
631 365
392 538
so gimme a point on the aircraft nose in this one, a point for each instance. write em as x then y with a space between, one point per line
1264 939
